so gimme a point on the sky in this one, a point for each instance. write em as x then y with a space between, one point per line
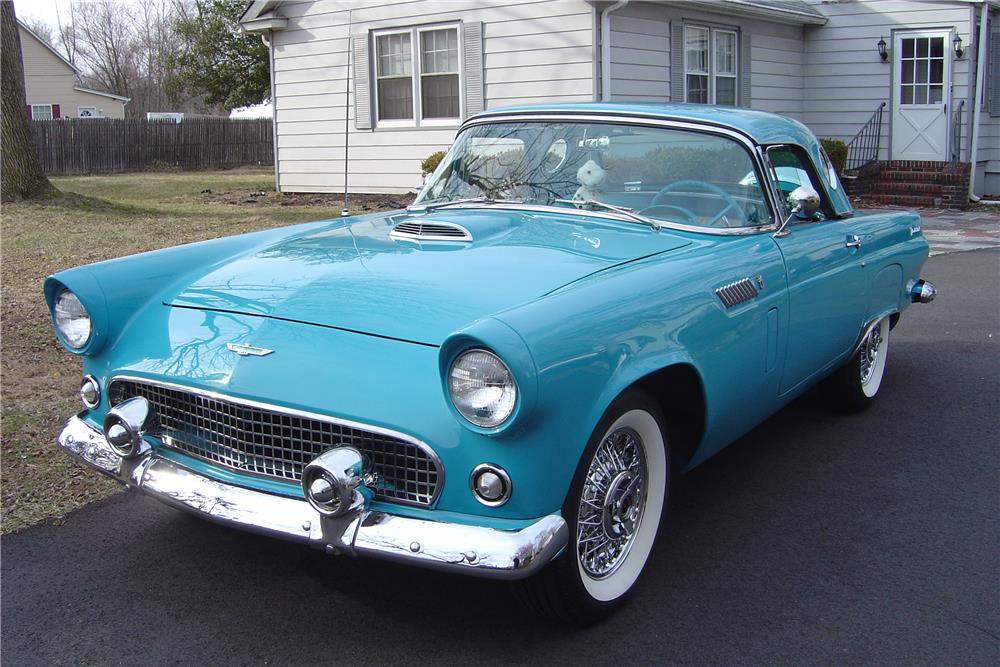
46 10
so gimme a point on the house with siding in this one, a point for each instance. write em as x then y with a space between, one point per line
912 86
52 86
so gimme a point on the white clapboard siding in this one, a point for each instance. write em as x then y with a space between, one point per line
844 78
640 55
533 51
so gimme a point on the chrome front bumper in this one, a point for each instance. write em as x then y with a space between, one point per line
452 547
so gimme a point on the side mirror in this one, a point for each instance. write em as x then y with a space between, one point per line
804 202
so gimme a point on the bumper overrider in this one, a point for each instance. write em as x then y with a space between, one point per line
351 527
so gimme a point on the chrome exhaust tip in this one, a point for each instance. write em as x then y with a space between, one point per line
127 423
335 482
922 291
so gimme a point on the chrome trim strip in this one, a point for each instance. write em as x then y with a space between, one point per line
295 413
451 547
643 119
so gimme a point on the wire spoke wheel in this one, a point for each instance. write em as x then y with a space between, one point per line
612 503
869 353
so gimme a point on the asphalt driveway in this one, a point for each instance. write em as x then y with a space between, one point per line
816 539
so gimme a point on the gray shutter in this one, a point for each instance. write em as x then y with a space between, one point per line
472 51
744 96
676 61
362 82
994 71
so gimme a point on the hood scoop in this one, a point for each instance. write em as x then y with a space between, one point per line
412 230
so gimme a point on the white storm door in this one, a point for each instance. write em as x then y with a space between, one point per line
922 86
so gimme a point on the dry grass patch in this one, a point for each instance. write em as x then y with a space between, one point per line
97 218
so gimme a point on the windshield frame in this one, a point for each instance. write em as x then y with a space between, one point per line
756 156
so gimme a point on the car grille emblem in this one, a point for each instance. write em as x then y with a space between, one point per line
245 350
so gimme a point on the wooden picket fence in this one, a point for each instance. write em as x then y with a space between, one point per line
103 145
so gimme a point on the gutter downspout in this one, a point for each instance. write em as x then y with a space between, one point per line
606 48
980 76
268 39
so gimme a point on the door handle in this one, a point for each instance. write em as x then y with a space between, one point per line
853 241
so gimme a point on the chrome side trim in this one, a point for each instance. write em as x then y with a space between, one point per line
295 413
737 292
451 547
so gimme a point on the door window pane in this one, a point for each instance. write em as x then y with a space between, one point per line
907 67
936 94
906 95
922 47
908 48
937 47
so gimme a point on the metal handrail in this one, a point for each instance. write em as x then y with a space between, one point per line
863 148
956 133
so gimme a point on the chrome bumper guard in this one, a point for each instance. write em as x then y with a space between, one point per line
453 547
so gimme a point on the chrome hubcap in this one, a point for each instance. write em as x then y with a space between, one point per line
869 353
612 503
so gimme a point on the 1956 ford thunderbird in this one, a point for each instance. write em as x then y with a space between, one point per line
500 379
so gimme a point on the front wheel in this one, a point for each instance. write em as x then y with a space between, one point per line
613 511
855 385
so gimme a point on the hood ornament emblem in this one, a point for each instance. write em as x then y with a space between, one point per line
245 350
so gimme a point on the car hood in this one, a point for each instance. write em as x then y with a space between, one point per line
353 275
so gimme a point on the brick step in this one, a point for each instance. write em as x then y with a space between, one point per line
904 200
919 176
917 165
900 188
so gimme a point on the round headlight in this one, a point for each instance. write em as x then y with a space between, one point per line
72 319
482 388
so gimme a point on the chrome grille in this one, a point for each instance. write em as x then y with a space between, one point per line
266 440
433 231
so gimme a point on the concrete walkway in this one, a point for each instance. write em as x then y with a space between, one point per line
949 230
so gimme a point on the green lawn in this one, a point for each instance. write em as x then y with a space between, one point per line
96 218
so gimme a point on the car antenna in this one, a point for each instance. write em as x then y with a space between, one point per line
347 111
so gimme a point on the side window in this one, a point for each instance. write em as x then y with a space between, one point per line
791 168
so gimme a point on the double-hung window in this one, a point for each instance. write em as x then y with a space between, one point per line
710 65
41 112
417 76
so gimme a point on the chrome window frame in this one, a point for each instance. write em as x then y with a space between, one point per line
293 412
756 155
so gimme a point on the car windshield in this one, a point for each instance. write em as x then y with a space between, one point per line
670 175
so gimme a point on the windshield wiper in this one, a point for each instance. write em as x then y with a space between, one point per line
627 212
422 208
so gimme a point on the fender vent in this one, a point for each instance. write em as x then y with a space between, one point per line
736 293
430 231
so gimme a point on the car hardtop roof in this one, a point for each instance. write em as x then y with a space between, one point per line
761 126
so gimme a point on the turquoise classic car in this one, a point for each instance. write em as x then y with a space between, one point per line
500 379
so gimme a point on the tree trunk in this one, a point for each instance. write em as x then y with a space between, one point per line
21 175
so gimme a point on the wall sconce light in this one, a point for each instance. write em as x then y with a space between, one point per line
959 51
882 53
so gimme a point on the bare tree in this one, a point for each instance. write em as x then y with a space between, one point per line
21 175
42 30
105 32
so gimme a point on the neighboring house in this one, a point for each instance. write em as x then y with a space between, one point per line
415 69
51 85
